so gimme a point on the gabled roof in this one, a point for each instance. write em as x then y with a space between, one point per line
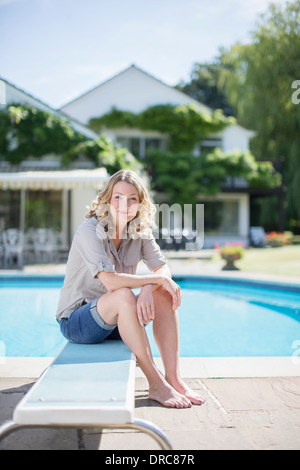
77 126
138 69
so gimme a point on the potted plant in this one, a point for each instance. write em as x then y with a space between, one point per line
231 252
275 239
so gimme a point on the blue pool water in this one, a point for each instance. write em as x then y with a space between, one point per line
217 318
27 316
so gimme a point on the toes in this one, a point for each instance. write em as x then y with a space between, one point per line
179 403
184 403
197 400
194 397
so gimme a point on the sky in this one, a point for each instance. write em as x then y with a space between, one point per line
58 49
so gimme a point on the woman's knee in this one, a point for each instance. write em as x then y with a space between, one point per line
126 303
125 295
161 293
112 304
162 297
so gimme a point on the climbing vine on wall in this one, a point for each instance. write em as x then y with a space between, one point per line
29 132
178 172
185 125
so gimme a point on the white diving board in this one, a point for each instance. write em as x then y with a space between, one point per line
86 386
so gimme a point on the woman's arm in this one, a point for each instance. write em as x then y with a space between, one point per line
145 302
168 284
161 277
113 281
163 270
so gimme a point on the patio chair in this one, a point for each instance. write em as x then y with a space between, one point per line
62 248
44 244
13 241
257 237
87 386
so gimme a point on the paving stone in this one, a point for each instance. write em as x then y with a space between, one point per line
243 413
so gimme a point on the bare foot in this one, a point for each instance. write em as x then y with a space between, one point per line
167 396
194 397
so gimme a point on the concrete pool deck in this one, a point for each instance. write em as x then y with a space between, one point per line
251 403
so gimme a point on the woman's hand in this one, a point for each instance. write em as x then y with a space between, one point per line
145 305
173 289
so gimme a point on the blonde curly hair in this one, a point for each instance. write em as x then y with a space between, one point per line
143 223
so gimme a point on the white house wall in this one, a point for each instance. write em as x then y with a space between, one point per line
236 137
132 90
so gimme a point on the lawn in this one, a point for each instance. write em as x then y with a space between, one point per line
283 260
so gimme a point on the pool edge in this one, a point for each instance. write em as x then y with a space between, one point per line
243 280
190 367
239 277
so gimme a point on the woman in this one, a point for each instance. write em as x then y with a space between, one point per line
97 301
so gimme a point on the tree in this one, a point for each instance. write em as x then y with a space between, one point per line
257 79
204 87
184 176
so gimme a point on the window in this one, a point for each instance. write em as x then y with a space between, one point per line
9 209
209 145
134 146
140 146
220 217
131 143
43 209
153 144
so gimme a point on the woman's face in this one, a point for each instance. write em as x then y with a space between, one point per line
124 202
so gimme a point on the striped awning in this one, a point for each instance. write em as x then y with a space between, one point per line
54 180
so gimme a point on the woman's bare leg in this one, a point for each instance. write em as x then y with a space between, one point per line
119 307
166 335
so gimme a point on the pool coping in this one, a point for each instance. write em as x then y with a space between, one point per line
236 277
190 367
242 281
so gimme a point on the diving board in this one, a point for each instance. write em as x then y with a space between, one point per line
86 386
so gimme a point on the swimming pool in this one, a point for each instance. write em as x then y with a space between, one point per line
28 327
218 318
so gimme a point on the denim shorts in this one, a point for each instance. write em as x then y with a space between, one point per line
86 326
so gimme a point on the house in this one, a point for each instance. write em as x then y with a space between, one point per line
226 214
37 193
